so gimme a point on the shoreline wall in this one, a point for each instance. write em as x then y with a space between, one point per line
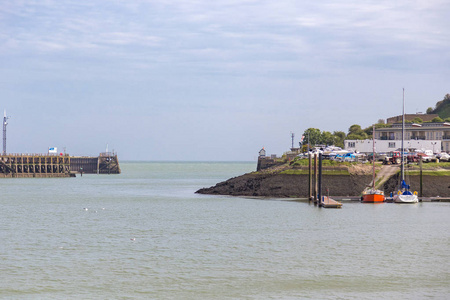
284 185
265 162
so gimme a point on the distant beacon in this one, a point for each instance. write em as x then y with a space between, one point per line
262 152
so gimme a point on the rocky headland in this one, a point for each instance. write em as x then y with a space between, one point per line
341 179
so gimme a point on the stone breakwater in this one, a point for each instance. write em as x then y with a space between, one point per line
280 185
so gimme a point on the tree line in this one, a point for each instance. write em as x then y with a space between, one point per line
355 132
317 137
442 108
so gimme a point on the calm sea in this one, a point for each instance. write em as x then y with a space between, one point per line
145 234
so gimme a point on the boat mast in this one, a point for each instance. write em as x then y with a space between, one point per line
373 156
403 135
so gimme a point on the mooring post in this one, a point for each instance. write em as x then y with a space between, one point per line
320 180
421 182
315 179
310 177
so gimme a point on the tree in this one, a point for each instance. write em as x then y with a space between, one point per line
368 131
417 120
356 133
381 121
429 110
447 119
437 120
313 135
339 134
339 137
442 103
378 125
327 138
353 136
355 129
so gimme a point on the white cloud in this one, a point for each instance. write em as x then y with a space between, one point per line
254 58
260 27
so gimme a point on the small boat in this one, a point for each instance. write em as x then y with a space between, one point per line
404 195
371 194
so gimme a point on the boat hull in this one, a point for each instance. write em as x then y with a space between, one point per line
372 198
406 199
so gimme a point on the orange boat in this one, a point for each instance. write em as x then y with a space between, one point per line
372 196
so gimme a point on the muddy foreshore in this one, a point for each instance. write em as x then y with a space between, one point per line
275 183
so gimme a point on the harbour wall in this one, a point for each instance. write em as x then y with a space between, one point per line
289 185
105 163
34 165
51 165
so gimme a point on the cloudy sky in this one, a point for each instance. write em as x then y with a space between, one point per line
212 80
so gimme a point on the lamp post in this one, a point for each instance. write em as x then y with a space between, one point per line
308 141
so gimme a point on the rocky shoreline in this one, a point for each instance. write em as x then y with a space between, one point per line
276 182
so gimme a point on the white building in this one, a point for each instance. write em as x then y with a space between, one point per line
433 131
366 146
434 136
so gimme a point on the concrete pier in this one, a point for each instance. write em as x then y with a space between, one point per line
53 165
34 165
105 163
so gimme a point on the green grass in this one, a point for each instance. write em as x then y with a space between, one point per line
429 173
325 162
306 172
429 166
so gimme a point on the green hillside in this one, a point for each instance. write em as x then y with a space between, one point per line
442 108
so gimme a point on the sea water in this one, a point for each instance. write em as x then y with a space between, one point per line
145 234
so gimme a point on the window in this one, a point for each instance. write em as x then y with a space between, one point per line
391 145
351 144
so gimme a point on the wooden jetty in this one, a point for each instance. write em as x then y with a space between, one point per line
54 165
315 184
327 202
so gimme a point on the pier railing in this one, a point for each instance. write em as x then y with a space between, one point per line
34 154
103 154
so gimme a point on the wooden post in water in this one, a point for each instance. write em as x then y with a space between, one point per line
310 177
320 180
315 178
421 180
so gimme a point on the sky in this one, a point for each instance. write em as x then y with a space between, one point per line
194 80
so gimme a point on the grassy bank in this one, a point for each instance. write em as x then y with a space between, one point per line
429 173
324 172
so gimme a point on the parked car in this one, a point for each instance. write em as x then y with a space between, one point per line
426 157
443 156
